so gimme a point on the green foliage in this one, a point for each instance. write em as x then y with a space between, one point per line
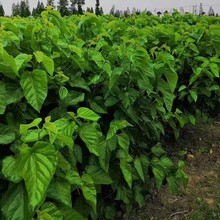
84 101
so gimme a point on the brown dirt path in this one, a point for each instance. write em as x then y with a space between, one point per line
200 149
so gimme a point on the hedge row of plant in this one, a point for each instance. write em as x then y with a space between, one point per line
84 101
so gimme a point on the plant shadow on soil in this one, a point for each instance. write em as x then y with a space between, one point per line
199 147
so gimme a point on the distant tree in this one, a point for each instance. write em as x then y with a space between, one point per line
101 11
211 11
91 10
24 9
97 9
63 7
51 3
159 13
15 9
88 9
37 11
117 13
76 6
201 12
2 12
112 10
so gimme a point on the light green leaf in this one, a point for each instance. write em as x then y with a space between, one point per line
194 95
24 127
22 59
60 191
74 178
46 61
39 170
87 114
34 85
63 92
215 69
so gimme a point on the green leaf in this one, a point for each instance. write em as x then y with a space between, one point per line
159 175
63 163
89 190
99 176
166 163
157 150
138 195
172 78
91 137
123 141
46 61
15 203
173 184
52 130
116 125
69 213
74 178
63 92
215 70
24 127
39 170
22 59
194 95
7 136
126 169
87 114
138 167
110 212
34 85
3 103
50 209
10 169
60 191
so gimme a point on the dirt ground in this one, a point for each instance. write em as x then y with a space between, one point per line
199 147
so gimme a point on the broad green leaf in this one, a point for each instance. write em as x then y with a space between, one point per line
3 102
63 92
24 127
7 136
173 184
74 178
14 92
10 169
46 61
87 114
215 69
15 203
89 190
7 64
123 141
194 95
50 209
138 167
116 125
69 213
63 163
60 191
22 59
157 150
139 197
159 175
99 176
39 170
126 169
166 163
34 85
91 137
33 135
172 78
52 130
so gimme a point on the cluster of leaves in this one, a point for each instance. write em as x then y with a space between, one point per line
84 101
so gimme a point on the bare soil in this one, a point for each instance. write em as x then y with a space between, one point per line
199 147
